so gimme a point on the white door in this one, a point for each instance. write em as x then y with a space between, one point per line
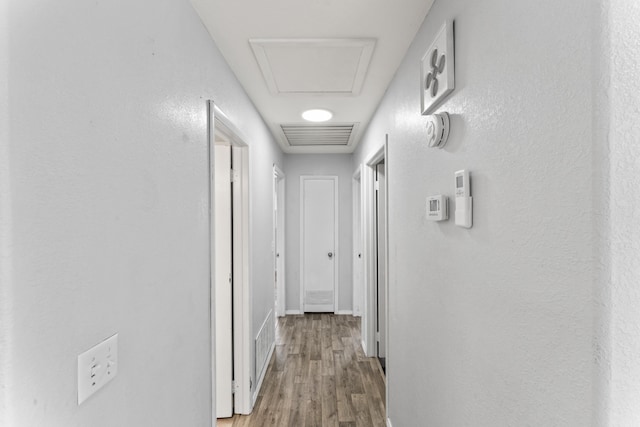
279 244
223 281
381 244
319 243
358 259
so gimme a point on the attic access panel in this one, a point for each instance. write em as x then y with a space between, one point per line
313 66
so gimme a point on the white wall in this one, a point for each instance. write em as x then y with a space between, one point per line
621 65
5 209
494 325
104 199
263 155
297 165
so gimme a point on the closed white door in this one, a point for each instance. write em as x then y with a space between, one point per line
280 250
223 281
319 243
358 264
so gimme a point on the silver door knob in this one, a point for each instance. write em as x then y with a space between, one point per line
330 254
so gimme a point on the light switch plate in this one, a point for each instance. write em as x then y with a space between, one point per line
96 367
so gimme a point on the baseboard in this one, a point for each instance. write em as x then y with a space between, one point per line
254 396
389 422
340 312
292 312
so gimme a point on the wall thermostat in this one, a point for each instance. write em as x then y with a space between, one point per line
437 130
437 208
464 201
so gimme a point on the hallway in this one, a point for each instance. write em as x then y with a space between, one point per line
318 376
108 133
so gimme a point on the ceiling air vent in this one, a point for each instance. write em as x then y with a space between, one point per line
310 135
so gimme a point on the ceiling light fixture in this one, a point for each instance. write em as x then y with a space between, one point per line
317 115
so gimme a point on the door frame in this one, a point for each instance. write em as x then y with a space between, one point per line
279 192
336 249
218 122
370 273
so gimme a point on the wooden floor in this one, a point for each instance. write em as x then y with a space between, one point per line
318 376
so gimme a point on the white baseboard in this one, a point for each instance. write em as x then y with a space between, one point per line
292 312
389 422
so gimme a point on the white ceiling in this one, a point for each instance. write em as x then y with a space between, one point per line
294 55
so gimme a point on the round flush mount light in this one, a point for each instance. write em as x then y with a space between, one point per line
317 115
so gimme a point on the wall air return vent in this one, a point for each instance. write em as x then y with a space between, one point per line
302 135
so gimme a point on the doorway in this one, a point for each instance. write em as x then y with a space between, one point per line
319 243
229 266
375 195
279 240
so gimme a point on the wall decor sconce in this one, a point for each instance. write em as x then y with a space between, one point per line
437 130
437 72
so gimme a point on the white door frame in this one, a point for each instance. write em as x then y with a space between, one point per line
279 183
369 206
218 123
358 234
336 251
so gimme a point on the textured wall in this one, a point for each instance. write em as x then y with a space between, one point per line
5 207
624 144
107 203
319 164
493 326
263 154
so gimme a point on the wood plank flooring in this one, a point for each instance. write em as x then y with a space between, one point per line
318 376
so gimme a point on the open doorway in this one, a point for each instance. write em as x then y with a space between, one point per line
375 207
279 240
229 266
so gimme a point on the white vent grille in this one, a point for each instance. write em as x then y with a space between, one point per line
264 344
308 135
318 297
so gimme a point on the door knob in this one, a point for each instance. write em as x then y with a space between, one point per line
330 254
